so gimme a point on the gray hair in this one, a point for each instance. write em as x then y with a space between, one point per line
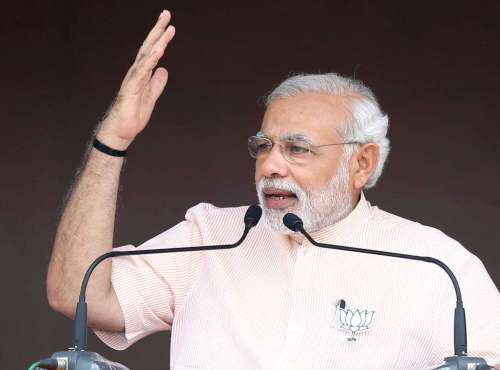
367 124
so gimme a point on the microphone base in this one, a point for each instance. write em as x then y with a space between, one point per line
83 360
464 363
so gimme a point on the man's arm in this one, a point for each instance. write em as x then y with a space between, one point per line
86 227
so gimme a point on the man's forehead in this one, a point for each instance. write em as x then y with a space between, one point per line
312 133
315 116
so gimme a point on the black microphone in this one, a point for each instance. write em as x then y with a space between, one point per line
460 361
77 358
252 216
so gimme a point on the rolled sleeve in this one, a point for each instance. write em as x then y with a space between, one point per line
151 287
145 300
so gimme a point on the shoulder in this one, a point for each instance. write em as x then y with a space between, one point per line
411 237
216 224
417 238
209 213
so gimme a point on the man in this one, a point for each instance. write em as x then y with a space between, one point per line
275 302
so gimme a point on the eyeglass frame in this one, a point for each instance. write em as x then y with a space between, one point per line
292 138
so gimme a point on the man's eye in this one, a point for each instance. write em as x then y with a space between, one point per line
262 146
298 149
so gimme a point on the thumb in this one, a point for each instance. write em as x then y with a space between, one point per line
156 85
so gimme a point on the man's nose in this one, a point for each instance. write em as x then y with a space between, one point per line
273 164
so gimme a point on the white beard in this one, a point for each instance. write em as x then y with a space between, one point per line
317 208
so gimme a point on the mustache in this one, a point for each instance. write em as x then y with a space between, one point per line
280 184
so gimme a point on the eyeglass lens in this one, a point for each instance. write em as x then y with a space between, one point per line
293 150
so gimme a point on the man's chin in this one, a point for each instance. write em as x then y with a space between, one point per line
276 227
273 219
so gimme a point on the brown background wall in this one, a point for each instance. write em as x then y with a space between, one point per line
433 66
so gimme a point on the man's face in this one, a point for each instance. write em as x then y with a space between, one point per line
317 191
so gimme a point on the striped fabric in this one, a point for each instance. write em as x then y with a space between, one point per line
273 302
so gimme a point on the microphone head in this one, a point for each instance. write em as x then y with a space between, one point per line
293 222
252 216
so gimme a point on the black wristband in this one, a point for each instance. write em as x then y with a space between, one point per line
107 150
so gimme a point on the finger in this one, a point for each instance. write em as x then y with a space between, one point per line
139 74
154 34
158 49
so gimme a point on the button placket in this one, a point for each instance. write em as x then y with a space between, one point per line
300 280
298 314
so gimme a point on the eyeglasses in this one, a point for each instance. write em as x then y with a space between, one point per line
294 150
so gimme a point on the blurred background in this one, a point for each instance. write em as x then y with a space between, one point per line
433 66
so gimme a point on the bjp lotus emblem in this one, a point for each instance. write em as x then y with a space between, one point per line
353 320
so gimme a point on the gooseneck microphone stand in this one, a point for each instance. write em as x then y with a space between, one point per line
77 357
460 361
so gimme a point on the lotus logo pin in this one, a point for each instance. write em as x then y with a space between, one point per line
353 321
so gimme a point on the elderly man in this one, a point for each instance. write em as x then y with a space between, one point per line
275 302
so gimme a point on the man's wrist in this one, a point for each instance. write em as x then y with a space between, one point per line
97 144
112 141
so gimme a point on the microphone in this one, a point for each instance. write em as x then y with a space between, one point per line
77 358
460 361
252 216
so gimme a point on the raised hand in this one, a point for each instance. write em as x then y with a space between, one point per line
140 89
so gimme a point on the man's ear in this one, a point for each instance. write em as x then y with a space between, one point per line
364 163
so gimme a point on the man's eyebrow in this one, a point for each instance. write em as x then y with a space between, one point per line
296 136
293 136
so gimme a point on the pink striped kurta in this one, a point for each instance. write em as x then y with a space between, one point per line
272 302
